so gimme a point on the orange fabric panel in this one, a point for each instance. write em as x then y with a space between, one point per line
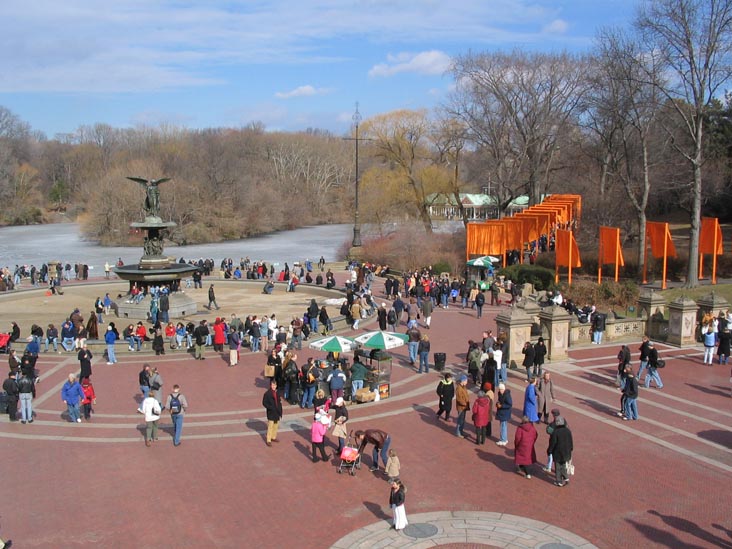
610 246
564 243
543 221
529 228
566 207
575 199
657 233
710 226
485 239
554 213
514 233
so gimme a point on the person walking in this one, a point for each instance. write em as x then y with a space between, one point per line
10 386
26 393
504 402
90 397
156 384
560 448
176 404
212 298
427 312
318 429
414 337
479 302
72 395
273 406
397 497
653 374
424 352
624 358
144 380
482 416
462 405
85 357
530 409
445 392
524 445
152 410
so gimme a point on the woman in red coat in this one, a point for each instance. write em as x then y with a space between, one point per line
219 337
482 416
525 454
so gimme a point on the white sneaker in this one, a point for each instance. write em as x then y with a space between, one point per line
78 420
110 363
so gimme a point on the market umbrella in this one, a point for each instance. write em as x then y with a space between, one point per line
382 340
334 344
484 261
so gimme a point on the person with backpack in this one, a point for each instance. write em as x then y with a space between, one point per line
176 405
391 319
479 302
310 375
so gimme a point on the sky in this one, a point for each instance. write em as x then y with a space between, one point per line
289 64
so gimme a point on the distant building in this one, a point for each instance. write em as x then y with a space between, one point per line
478 206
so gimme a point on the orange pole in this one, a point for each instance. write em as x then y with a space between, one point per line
556 269
701 265
569 276
665 247
617 256
599 261
714 254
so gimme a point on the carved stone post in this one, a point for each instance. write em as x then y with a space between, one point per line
517 324
555 323
682 321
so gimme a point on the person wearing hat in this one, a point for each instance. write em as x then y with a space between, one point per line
317 435
560 448
504 402
482 416
339 423
549 430
462 404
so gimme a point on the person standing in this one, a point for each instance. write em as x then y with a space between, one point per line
110 338
313 312
397 497
427 312
709 338
151 409
273 406
544 392
85 357
156 384
560 448
424 353
10 386
624 358
479 302
530 409
723 350
26 393
482 416
415 336
528 363
539 354
177 404
318 429
234 344
337 381
525 451
89 399
504 402
296 340
200 333
72 395
630 392
212 298
462 405
446 392
144 380
358 375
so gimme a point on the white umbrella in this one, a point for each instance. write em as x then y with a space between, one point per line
382 340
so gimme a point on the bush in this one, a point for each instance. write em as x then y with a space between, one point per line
540 277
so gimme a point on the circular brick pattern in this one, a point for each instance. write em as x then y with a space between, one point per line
464 529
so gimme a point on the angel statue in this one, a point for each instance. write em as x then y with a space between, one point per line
152 200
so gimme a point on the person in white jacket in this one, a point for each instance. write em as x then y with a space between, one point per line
152 410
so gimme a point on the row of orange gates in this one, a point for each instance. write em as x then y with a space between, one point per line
561 213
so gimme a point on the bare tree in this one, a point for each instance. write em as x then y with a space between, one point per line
519 102
693 39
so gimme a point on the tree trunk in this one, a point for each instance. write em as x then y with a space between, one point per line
692 271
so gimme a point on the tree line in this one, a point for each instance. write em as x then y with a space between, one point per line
639 124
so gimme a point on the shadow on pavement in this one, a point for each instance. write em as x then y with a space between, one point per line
718 436
692 528
710 391
502 460
661 537
429 415
376 510
601 407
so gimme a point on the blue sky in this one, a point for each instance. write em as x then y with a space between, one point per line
289 64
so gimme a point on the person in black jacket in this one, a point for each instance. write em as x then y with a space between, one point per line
539 354
27 392
446 392
273 405
11 390
630 392
528 363
560 448
200 333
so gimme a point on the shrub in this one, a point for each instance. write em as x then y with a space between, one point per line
540 277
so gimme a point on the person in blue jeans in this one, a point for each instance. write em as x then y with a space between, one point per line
415 336
72 395
309 383
381 441
176 405
630 392
653 368
110 338
462 405
504 402
424 352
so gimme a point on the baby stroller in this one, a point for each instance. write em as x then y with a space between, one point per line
350 457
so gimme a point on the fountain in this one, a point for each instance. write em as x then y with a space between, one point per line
155 268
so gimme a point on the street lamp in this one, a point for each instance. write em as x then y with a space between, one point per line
356 221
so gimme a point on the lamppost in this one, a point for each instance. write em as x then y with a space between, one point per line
356 221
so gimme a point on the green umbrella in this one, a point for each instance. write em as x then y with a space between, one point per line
485 261
334 344
382 340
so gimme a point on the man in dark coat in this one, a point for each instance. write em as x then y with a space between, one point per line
273 405
446 392
200 333
560 448
11 390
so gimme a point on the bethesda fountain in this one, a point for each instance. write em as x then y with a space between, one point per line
155 268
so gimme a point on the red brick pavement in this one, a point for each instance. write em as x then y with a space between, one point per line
659 482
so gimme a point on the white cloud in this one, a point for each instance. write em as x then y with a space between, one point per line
558 26
303 91
427 62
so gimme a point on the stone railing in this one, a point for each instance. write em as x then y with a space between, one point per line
616 329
